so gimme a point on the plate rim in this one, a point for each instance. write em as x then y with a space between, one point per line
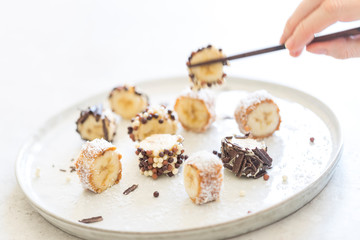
327 173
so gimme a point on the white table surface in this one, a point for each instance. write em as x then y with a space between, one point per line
56 53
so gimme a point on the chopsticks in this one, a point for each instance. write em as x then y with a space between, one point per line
346 33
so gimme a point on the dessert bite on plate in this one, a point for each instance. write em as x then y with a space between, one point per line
258 115
160 154
245 156
98 165
96 122
153 120
126 101
203 177
196 110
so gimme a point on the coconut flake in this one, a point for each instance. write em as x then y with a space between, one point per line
212 179
254 97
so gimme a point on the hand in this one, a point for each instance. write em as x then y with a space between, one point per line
313 16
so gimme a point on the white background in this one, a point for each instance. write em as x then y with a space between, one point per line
56 53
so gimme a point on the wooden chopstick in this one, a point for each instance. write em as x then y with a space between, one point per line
346 33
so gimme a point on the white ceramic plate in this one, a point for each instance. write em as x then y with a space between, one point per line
59 197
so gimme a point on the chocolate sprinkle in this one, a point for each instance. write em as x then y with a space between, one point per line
98 112
105 130
237 163
92 219
130 189
143 120
262 154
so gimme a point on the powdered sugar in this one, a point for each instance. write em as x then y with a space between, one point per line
139 213
203 94
211 172
94 148
85 162
206 96
205 162
253 98
247 143
159 142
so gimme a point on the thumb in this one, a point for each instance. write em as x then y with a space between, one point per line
341 48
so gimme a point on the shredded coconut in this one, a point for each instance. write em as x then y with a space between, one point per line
253 98
159 142
211 172
284 178
37 172
89 152
247 143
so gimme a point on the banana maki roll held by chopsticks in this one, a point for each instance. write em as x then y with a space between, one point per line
207 75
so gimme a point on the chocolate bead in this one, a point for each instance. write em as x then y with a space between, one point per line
143 120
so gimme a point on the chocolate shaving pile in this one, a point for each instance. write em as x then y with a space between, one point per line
130 189
91 220
244 162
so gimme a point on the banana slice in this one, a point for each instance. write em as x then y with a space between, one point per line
95 122
160 154
207 75
154 120
203 177
127 102
98 165
245 156
258 115
196 110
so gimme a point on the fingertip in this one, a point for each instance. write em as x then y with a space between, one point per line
291 46
282 39
295 53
